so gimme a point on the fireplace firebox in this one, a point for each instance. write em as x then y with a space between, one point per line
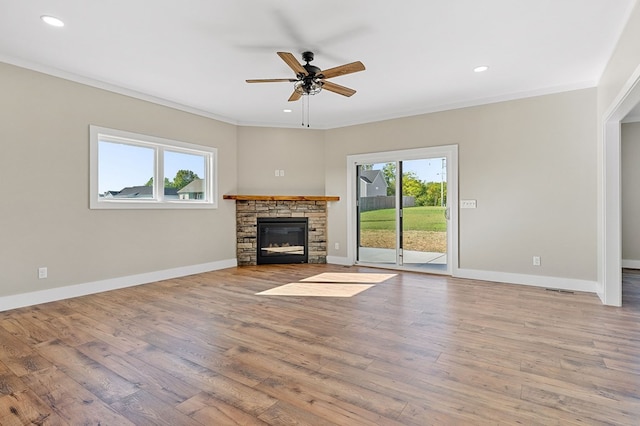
282 240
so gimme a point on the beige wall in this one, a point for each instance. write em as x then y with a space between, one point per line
630 193
299 152
44 208
530 164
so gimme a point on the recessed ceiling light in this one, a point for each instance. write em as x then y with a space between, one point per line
481 68
286 110
52 20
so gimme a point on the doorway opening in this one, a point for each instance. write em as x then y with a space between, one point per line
609 194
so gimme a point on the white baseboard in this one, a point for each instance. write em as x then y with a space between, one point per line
51 295
631 264
60 293
569 284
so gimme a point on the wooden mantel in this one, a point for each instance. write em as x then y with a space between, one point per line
281 197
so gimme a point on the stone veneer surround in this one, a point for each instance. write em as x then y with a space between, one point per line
249 210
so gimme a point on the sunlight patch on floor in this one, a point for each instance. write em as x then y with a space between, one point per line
317 289
341 277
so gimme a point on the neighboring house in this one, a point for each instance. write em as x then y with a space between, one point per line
193 191
372 183
140 192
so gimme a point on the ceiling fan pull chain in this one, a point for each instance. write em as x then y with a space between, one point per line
308 115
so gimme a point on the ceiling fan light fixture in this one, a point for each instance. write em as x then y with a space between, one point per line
52 20
307 87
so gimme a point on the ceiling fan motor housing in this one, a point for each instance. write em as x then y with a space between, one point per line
312 71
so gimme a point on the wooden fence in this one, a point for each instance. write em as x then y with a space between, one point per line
384 202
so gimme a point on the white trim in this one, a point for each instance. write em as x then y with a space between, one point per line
463 104
448 151
441 107
631 264
110 87
159 145
609 286
610 250
68 292
568 284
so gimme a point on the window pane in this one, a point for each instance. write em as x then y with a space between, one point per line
125 171
135 171
184 176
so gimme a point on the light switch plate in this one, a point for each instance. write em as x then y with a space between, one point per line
468 204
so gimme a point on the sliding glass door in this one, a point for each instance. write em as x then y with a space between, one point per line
377 214
402 210
424 213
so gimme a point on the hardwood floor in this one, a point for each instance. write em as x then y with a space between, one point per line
414 350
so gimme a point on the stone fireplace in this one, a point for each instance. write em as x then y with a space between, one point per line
312 209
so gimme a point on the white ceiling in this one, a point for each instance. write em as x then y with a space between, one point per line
419 54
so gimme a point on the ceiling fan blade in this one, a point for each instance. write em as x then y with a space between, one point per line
272 80
295 96
336 88
343 69
293 63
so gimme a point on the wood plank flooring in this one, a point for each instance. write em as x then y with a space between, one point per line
416 349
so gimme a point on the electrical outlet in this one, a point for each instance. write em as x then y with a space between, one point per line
337 246
468 204
277 173
42 273
536 260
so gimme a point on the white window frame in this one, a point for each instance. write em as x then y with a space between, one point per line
159 145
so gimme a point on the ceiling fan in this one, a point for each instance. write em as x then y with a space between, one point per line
311 79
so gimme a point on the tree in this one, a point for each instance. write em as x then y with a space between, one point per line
426 193
435 192
412 186
389 173
167 182
182 179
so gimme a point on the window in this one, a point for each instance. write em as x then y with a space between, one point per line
134 171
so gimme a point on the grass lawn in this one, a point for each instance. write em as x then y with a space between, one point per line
428 218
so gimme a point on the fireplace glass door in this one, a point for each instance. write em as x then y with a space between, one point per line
282 240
